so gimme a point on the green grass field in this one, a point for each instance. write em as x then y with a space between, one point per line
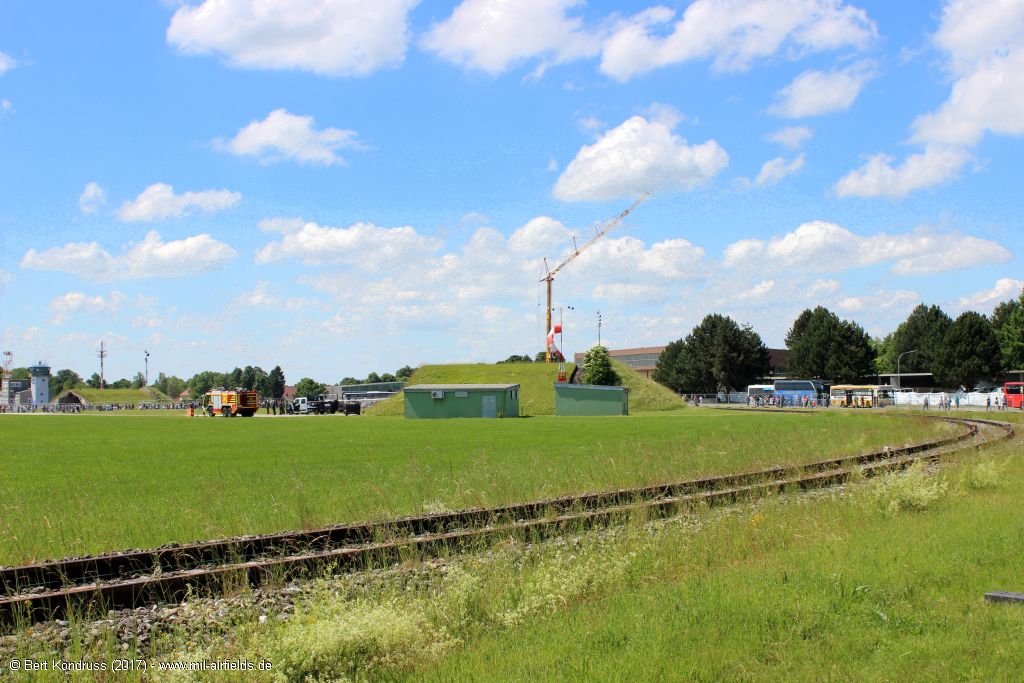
846 588
535 380
880 581
75 484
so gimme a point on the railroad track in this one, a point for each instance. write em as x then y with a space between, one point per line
169 574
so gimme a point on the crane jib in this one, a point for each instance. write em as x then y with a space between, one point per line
549 278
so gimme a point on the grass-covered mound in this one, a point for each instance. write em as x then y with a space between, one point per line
645 394
535 380
122 396
536 386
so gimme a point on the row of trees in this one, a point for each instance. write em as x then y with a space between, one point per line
400 375
721 354
268 384
539 358
65 379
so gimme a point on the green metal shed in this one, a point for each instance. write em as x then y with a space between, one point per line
461 400
590 399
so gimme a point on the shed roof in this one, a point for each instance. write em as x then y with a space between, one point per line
462 387
597 387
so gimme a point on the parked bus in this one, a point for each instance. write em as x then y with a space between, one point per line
793 391
862 395
760 390
1014 393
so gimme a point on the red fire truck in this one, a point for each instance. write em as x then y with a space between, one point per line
231 402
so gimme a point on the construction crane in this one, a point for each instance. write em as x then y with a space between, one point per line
601 230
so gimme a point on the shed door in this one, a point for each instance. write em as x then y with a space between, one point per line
490 406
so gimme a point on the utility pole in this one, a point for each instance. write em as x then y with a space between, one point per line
103 355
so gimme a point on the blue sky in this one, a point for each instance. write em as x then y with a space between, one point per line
339 186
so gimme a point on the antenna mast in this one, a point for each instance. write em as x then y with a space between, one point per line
102 355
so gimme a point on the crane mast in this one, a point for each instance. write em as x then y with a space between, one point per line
601 232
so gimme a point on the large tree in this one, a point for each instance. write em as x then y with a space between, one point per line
717 354
597 368
924 331
970 352
823 346
171 386
64 380
1006 324
201 382
666 369
1011 340
274 385
309 387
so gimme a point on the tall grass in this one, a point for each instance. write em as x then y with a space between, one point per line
84 484
832 586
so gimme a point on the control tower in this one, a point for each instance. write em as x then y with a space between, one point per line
40 383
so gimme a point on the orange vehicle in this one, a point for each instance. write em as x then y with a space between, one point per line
231 402
1014 392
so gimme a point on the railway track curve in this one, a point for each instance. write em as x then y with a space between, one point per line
48 590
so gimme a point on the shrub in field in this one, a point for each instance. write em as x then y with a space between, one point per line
983 475
913 489
346 640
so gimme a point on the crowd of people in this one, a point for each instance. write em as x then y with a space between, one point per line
765 400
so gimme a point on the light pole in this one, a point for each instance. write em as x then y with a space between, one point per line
899 383
147 367
561 338
599 328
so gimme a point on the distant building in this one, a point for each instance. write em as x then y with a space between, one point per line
40 384
643 359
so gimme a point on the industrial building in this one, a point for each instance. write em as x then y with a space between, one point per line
438 401
590 399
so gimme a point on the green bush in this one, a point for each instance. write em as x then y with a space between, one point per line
914 489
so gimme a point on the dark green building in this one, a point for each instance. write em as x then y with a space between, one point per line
435 401
590 399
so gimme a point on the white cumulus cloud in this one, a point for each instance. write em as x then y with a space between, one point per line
814 93
93 197
878 177
64 306
635 157
326 37
283 136
732 34
778 168
792 137
6 63
150 258
261 296
158 201
495 35
364 246
983 43
1006 288
822 247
